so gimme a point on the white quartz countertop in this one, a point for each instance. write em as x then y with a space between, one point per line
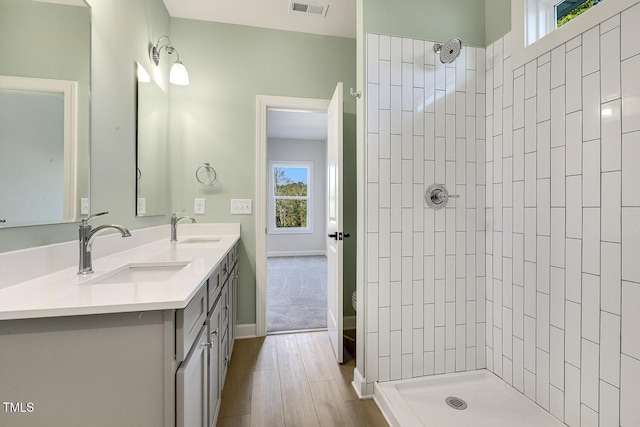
65 293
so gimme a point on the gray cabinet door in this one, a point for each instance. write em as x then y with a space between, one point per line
224 356
215 391
191 385
233 296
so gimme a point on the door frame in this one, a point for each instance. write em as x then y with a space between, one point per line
263 103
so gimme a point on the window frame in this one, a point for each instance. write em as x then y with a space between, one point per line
540 19
521 17
272 197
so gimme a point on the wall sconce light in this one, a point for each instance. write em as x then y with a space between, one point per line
178 74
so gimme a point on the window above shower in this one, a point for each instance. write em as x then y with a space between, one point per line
567 10
544 16
539 26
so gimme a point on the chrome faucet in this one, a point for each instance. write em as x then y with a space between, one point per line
174 224
87 235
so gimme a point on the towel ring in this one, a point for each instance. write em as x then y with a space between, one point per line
206 174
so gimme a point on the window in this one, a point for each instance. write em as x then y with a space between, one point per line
291 197
544 16
539 26
540 19
569 9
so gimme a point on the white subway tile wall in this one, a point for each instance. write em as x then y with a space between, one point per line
426 124
573 344
533 272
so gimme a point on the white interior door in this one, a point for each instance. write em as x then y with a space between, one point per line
334 222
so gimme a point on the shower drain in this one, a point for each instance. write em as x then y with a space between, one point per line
456 403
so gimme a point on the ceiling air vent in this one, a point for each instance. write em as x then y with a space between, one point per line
309 8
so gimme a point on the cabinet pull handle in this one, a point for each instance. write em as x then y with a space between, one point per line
208 344
215 332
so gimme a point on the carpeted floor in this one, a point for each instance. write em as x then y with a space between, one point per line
296 293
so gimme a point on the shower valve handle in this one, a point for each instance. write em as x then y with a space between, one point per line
437 196
452 196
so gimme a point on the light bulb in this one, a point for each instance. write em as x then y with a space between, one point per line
179 75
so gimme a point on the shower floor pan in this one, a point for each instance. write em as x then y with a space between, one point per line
490 402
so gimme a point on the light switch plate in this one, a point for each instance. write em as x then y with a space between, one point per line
241 206
84 206
142 206
199 207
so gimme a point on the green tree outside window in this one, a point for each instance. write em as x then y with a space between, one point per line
291 196
565 15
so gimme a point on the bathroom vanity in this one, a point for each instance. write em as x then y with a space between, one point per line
144 341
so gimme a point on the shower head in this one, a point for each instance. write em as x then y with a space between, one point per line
448 51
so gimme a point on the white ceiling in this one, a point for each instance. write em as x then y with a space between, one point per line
340 19
301 125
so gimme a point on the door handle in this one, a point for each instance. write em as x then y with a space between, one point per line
339 236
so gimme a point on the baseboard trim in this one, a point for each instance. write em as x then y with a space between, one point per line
296 253
247 330
360 385
297 331
349 322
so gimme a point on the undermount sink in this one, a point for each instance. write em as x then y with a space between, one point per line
140 273
201 240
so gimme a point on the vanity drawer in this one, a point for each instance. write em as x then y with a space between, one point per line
224 268
215 281
189 321
232 257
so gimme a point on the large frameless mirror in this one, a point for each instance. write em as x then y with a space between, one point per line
44 110
151 147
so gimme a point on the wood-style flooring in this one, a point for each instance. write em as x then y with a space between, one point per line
292 380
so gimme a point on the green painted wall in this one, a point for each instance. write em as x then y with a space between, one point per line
427 19
497 19
213 120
